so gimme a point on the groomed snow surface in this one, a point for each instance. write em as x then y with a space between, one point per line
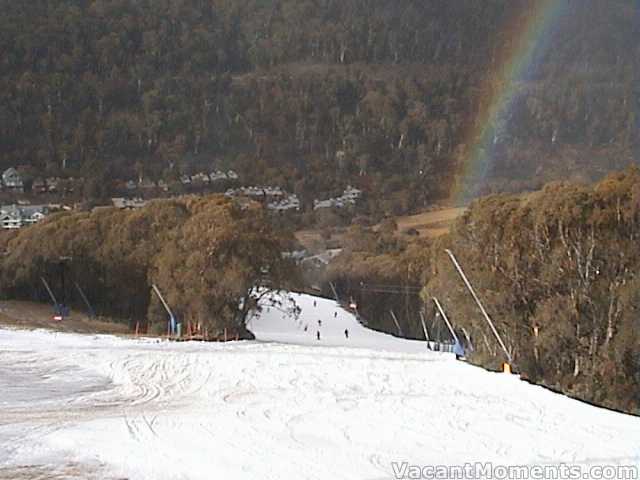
284 407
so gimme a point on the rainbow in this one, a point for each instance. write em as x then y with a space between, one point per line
525 39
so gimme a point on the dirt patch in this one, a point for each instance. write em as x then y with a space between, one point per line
430 224
313 241
65 472
36 315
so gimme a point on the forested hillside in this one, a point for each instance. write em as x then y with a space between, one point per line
312 95
557 270
205 254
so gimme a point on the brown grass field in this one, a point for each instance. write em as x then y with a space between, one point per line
28 315
430 224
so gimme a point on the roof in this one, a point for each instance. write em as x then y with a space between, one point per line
11 177
22 214
10 172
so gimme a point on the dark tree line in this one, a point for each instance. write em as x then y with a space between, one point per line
557 270
205 254
311 94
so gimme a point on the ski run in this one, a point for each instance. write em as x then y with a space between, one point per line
286 406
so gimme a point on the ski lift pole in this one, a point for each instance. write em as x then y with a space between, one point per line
172 318
395 320
53 297
482 309
424 328
446 319
335 293
92 312
63 261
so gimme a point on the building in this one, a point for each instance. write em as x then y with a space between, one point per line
16 216
39 185
257 192
200 178
219 175
128 203
289 203
146 184
349 197
322 259
52 184
12 180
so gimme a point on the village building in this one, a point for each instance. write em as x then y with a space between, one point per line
12 180
322 259
349 197
17 216
257 192
200 178
296 255
146 184
39 185
289 203
217 176
128 203
52 184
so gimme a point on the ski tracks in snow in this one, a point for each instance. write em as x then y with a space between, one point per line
147 410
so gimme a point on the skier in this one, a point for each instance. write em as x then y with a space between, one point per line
458 349
319 323
346 333
306 327
314 303
318 334
335 314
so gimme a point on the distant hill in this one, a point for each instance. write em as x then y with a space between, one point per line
313 95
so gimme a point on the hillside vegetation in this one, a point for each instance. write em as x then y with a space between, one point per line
206 255
313 95
557 270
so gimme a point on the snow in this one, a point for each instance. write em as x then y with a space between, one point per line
285 406
277 321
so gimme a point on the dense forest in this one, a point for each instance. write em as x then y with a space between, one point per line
312 95
205 254
557 270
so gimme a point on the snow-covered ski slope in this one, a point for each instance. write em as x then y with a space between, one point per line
81 406
284 318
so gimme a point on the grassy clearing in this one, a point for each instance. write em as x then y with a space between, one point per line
21 314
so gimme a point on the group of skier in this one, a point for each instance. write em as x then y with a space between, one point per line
458 349
318 336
